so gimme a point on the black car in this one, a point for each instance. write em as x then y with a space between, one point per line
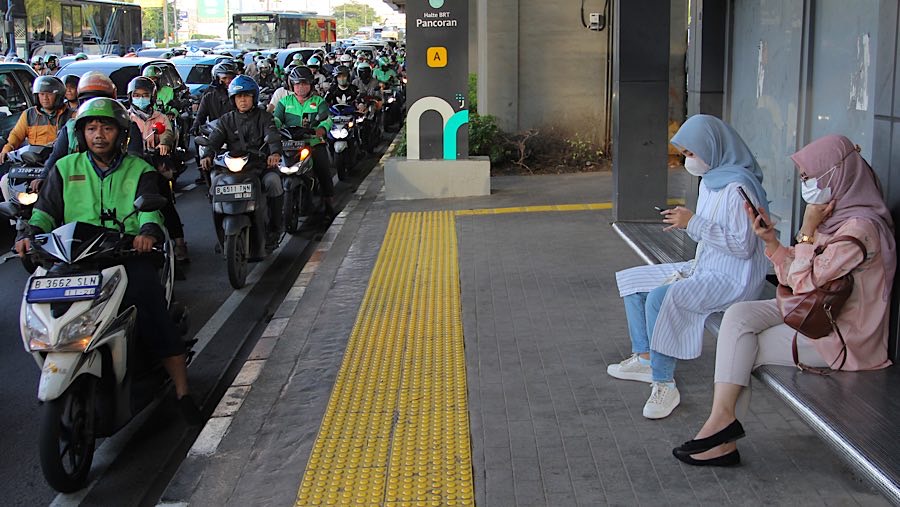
123 70
15 93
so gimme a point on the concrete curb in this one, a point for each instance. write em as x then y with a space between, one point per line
207 442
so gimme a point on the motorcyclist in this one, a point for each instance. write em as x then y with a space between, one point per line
265 77
165 94
37 63
40 124
320 85
250 130
252 70
71 82
330 64
70 196
342 91
385 75
51 63
301 109
142 138
92 84
215 101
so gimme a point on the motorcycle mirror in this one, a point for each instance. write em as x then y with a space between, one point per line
201 140
8 210
150 202
159 127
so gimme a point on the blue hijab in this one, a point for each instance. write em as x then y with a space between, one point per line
729 159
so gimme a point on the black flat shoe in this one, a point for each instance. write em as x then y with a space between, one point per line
730 433
731 459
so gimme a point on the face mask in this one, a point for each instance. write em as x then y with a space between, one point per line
141 102
811 192
342 81
695 166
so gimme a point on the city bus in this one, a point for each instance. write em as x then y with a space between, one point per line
64 27
282 30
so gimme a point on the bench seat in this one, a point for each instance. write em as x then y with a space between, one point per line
854 413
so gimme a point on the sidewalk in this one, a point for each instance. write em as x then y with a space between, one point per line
475 372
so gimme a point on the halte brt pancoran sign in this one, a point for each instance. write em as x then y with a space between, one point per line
437 63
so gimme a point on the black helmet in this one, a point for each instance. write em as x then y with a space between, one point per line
341 69
142 83
49 84
301 74
110 110
224 68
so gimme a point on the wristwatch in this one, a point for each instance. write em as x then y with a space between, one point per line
803 238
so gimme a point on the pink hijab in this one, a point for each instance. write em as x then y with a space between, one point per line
854 188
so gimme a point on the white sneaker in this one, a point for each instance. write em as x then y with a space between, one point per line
663 400
631 369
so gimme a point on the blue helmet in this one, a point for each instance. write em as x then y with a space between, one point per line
243 84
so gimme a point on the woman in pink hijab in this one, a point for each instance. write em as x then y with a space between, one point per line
843 198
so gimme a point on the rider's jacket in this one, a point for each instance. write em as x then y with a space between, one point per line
37 126
366 89
338 95
252 132
385 76
291 112
77 190
213 105
145 124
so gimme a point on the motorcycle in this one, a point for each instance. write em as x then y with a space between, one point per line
343 139
369 123
297 178
236 197
27 166
394 99
265 96
95 374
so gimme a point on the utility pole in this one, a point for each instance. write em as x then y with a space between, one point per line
165 14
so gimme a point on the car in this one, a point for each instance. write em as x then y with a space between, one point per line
123 70
286 55
15 93
156 53
196 71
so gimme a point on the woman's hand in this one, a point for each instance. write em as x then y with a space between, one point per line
765 233
163 149
814 215
678 217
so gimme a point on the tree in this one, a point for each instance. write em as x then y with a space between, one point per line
152 23
350 16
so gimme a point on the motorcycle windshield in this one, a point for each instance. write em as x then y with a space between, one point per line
76 241
342 110
32 155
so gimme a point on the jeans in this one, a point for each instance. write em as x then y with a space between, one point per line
641 310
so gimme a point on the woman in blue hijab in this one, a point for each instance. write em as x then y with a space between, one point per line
667 304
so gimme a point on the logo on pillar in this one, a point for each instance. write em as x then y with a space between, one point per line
452 121
437 56
436 4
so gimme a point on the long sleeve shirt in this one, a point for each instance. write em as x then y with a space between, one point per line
864 319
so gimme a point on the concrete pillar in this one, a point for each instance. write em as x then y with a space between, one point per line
706 57
473 36
640 107
498 61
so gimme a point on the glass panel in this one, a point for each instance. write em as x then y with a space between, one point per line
195 74
254 35
12 98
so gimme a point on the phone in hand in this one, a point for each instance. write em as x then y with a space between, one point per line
752 207
657 208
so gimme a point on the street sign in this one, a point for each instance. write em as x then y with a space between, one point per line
437 63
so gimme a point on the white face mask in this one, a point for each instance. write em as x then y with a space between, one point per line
695 166
811 192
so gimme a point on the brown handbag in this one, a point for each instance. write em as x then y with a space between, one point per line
814 313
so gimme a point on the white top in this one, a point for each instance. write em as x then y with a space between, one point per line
279 94
730 266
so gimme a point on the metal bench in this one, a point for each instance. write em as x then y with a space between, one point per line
854 413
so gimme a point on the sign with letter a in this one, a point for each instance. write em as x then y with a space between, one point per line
437 63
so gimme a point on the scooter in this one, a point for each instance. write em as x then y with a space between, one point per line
27 166
343 139
369 123
299 183
95 374
237 201
393 105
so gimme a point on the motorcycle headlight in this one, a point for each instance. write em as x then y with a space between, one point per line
35 331
350 125
339 133
77 334
391 100
236 164
304 154
289 170
26 198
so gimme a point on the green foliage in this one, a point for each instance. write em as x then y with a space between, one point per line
581 152
352 15
202 36
473 93
152 23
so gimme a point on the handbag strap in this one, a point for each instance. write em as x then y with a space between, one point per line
830 369
821 248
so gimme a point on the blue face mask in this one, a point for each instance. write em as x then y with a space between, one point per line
140 102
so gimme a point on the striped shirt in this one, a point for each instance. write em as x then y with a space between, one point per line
730 266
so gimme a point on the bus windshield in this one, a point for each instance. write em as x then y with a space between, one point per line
255 35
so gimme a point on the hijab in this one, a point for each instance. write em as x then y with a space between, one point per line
728 157
855 190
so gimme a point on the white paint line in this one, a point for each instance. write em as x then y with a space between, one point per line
211 436
294 293
176 504
275 327
249 373
232 400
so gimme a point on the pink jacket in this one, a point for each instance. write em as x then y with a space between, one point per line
865 317
146 126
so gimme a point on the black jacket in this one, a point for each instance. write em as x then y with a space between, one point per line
252 132
213 105
335 94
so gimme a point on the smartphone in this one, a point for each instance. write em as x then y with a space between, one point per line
752 207
657 208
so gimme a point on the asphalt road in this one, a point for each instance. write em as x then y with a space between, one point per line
134 466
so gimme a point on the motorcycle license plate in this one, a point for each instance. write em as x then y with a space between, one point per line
57 289
241 192
293 145
25 172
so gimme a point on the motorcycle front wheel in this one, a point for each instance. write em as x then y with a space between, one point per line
236 253
66 436
292 216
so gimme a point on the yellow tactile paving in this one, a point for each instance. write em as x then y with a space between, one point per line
545 208
396 430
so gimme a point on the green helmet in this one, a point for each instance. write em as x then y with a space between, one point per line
152 71
297 59
102 107
383 62
81 56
